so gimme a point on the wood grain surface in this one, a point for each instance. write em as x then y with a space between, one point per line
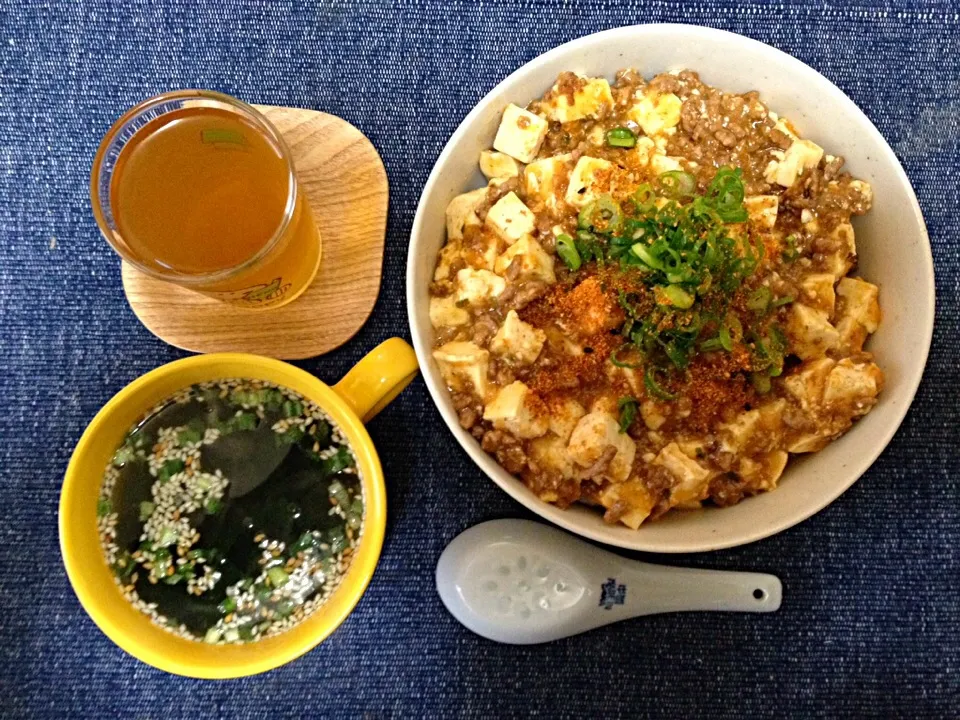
345 183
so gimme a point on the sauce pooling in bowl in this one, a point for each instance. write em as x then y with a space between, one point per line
231 511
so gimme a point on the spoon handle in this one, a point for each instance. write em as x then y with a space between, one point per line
646 589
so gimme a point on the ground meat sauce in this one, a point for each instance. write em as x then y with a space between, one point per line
595 379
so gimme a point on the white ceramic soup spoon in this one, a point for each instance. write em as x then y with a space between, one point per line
521 582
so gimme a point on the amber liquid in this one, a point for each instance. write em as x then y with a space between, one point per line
202 190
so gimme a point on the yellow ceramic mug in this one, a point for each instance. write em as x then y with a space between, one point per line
363 392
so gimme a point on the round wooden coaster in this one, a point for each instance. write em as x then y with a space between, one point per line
345 183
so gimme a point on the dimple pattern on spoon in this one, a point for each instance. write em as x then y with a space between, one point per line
511 580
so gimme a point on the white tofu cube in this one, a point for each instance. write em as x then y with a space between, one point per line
859 302
852 387
590 100
550 453
801 155
482 253
764 471
510 218
476 287
810 332
656 112
786 127
498 165
620 375
594 433
762 211
461 211
644 149
591 178
517 341
691 476
518 411
542 180
735 435
444 312
853 335
535 262
865 190
807 382
693 448
653 414
565 413
520 134
817 292
463 366
809 442
633 495
448 253
661 164
839 262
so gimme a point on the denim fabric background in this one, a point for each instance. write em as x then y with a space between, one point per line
870 624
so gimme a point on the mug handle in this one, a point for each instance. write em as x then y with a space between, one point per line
378 378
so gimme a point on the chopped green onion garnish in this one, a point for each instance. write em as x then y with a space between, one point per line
168 537
711 345
124 455
338 462
677 184
337 540
104 506
189 436
759 299
146 510
725 340
600 216
628 412
642 252
761 382
245 421
621 137
791 253
228 605
733 324
644 198
782 301
339 493
653 387
725 195
277 577
304 542
284 608
678 297
614 358
292 408
567 250
169 469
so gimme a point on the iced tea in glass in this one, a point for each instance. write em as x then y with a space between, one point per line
198 189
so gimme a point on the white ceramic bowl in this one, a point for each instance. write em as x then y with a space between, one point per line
892 244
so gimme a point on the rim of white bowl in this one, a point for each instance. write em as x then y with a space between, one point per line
514 487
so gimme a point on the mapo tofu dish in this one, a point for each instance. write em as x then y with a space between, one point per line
651 305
